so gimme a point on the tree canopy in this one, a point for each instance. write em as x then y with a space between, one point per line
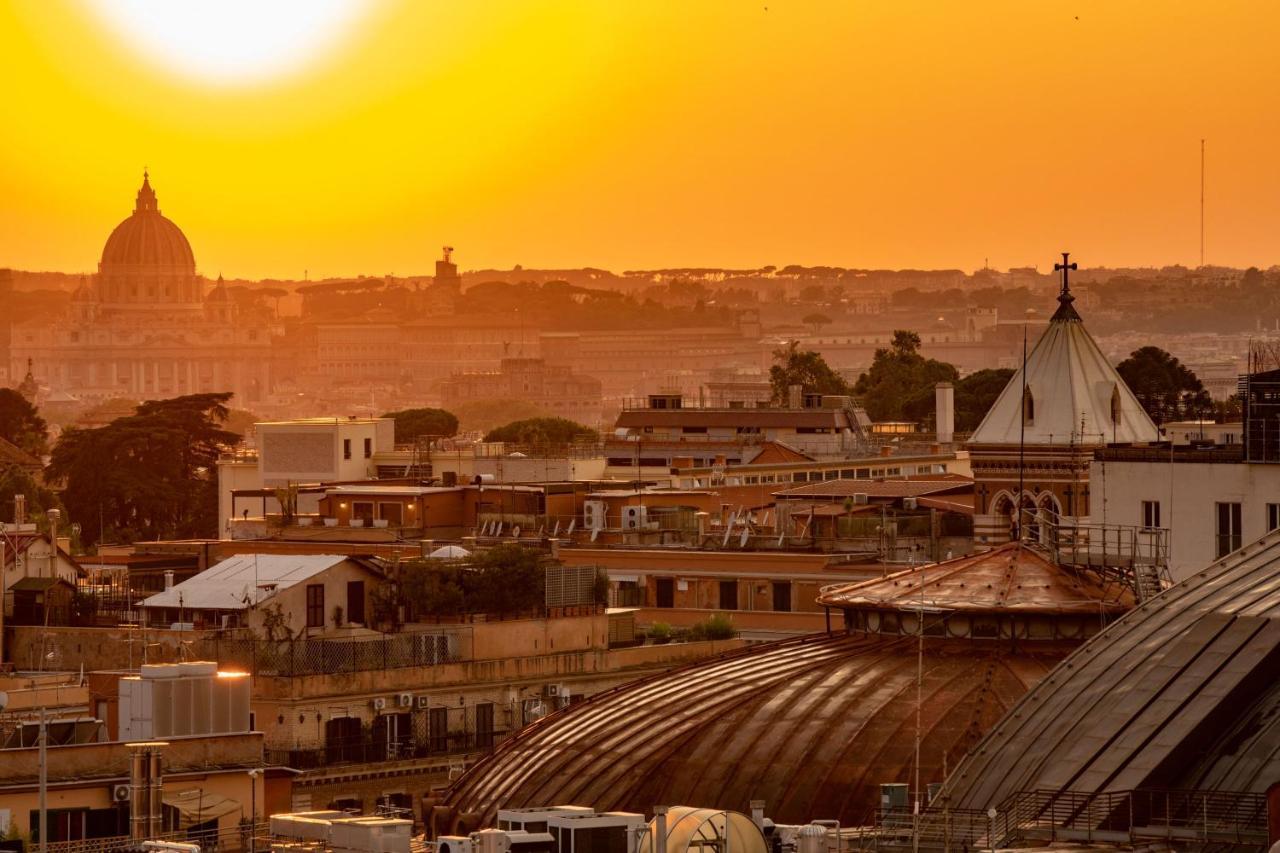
541 432
901 381
975 395
506 579
411 424
1165 387
150 475
21 424
806 368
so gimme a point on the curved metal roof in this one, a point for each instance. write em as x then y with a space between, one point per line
1180 693
1013 578
811 725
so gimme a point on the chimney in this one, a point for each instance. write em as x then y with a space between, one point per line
757 814
795 396
168 579
944 395
19 509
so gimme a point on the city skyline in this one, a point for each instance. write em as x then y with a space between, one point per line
572 135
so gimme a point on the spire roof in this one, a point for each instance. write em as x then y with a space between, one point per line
1073 393
146 196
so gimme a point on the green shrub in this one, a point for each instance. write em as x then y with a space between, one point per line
714 627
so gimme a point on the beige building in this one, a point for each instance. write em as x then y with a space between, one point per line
558 390
147 325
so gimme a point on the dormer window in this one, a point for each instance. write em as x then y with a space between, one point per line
1028 407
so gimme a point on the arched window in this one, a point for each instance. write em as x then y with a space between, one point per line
1028 407
1115 404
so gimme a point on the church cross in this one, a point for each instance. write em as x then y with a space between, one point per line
1065 268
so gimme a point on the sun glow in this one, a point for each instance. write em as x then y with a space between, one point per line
231 42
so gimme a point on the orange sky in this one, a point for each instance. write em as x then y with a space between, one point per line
661 133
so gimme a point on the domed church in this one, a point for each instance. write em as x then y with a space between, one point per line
148 325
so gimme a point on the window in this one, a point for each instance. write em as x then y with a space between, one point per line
1273 517
484 725
368 447
1150 514
346 448
355 602
782 596
694 430
729 595
315 605
664 592
1028 407
1228 528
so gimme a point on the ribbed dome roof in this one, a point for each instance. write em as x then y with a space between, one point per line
812 726
147 240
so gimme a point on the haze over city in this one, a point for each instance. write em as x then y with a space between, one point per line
623 135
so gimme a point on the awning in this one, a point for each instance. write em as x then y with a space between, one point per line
196 806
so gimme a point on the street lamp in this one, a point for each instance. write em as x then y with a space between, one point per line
254 773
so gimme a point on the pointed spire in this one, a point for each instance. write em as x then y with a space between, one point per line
146 196
1066 311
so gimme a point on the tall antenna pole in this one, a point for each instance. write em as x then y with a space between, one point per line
1022 434
1202 202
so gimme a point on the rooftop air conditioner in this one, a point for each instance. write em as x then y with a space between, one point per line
593 515
910 503
405 700
120 793
634 517
453 844
379 703
424 702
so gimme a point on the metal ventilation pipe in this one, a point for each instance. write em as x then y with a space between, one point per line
156 778
659 829
168 579
139 792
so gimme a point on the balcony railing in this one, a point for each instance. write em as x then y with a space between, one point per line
370 750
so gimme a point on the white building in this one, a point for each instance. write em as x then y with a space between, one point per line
1209 499
309 450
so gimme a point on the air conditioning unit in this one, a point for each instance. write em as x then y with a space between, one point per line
405 700
593 515
556 690
424 702
859 497
120 793
453 844
379 704
634 517
910 503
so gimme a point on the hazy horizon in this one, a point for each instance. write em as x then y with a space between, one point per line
634 137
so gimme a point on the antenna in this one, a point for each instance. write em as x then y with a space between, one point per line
1201 202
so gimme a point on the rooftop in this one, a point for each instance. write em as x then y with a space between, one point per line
1009 579
238 581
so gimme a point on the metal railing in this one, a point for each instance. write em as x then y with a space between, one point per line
369 750
230 840
1239 819
1229 817
288 658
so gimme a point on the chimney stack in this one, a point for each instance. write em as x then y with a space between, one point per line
945 406
168 579
19 509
